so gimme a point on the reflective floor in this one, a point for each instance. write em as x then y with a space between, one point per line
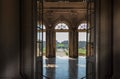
64 67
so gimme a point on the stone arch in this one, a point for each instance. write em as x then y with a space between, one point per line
82 22
82 26
62 19
62 26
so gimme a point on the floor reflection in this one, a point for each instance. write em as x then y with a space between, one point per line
73 68
64 67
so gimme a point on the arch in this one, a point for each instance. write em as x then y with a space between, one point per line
82 36
61 39
62 19
61 26
82 26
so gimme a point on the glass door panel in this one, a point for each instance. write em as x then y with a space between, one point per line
91 55
39 55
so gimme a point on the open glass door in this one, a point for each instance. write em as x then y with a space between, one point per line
91 42
39 55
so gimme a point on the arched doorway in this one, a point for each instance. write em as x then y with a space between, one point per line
82 36
73 34
82 31
62 42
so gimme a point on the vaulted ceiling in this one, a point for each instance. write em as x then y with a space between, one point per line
68 10
64 10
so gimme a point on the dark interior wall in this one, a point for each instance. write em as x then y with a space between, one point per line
116 30
104 42
9 39
16 39
27 47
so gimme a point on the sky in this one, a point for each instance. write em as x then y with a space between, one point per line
62 36
82 36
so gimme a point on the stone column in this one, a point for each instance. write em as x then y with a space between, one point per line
70 43
50 44
73 43
47 42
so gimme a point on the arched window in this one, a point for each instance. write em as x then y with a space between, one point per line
62 39
61 26
82 34
82 26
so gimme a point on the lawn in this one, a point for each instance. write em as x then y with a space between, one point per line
82 51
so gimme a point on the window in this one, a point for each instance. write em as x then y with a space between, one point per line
82 26
61 26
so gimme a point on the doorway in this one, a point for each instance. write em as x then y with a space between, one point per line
82 43
62 39
62 44
60 28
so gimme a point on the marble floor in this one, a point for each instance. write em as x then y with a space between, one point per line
64 67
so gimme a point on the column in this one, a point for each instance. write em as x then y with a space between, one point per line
73 43
50 43
47 42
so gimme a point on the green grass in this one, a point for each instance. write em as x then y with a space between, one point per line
44 50
60 45
82 51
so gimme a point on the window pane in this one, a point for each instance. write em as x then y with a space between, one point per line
61 26
82 26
